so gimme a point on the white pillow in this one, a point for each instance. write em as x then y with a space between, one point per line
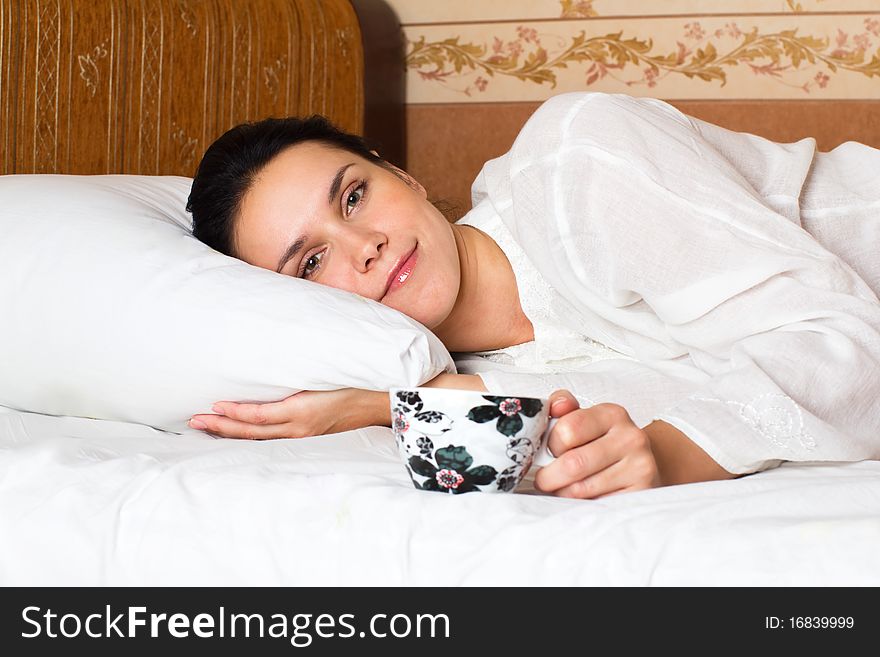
111 309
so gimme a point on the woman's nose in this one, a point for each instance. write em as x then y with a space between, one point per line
368 248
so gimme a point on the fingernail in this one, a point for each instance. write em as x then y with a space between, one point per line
217 408
557 403
197 424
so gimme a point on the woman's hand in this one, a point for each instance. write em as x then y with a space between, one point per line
306 413
313 413
599 451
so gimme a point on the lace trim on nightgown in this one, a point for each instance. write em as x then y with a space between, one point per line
555 348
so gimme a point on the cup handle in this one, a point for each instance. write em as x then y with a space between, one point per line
544 456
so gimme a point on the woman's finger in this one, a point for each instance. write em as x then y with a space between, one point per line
256 413
226 427
575 465
628 489
636 471
562 402
609 481
585 425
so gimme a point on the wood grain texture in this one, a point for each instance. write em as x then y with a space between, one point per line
144 86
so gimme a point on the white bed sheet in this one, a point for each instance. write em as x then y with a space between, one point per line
90 502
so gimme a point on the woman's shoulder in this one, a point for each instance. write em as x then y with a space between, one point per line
630 126
552 128
560 106
556 112
595 113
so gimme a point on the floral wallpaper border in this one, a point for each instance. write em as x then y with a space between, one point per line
797 55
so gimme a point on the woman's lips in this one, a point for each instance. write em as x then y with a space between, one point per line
402 273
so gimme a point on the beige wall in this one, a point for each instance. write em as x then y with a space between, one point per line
476 69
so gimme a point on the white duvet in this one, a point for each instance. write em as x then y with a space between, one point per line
91 502
737 272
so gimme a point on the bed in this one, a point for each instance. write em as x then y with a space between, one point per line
110 87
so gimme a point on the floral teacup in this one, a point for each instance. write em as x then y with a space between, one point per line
462 441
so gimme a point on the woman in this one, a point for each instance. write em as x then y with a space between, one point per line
731 282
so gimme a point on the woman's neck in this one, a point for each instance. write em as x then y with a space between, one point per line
487 313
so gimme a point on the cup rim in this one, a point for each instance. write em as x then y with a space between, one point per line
482 393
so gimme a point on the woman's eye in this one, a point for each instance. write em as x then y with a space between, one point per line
312 264
354 197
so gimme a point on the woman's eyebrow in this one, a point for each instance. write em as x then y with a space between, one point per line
297 244
337 183
290 252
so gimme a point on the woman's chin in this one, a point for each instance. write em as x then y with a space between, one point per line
423 316
425 306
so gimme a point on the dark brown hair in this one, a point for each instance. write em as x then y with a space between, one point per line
232 163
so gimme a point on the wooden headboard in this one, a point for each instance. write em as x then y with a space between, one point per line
144 86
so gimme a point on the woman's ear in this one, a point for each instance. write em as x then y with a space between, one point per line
408 179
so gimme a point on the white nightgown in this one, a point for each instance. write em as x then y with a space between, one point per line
718 281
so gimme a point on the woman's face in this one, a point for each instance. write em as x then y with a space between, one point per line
328 216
